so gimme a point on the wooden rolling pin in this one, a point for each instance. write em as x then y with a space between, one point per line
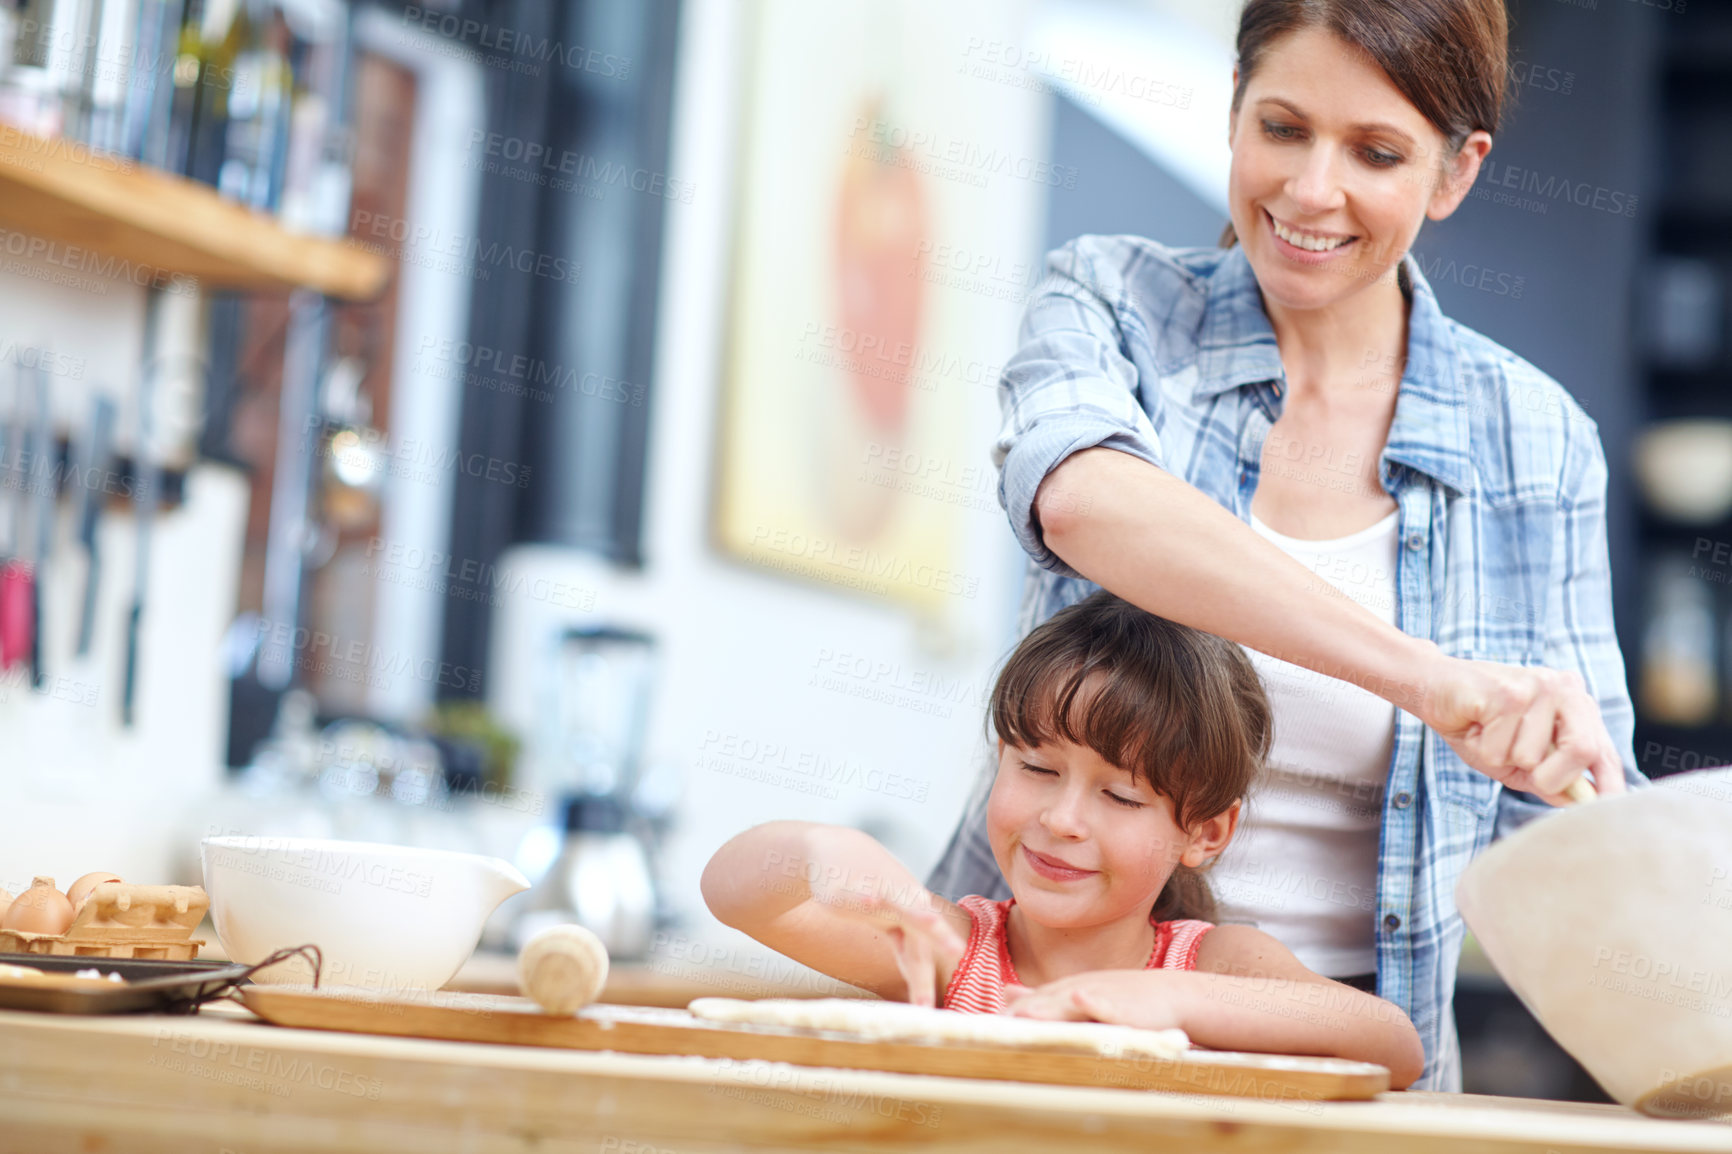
562 968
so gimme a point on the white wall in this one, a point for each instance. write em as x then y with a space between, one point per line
742 646
78 792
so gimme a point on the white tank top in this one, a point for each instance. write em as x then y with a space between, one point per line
1303 865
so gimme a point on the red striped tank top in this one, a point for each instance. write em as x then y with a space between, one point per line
977 985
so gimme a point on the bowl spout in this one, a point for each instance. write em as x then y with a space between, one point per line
501 879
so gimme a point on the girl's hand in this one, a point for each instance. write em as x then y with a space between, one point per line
1121 997
1534 729
917 932
816 894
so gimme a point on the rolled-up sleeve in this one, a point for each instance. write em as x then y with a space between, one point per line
1070 385
1579 628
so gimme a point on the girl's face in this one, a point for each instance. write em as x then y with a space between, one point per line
1082 842
1326 147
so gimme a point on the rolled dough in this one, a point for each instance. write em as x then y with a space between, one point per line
901 1022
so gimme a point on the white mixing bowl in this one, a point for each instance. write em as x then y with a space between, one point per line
393 919
1612 921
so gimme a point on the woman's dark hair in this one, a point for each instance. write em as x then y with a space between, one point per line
1181 708
1450 58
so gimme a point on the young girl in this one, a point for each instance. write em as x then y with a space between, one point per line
1126 745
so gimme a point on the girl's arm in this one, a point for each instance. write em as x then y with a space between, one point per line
1248 992
1259 990
834 899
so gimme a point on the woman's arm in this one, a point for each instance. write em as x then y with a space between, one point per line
834 899
1247 993
1159 542
1088 489
1148 536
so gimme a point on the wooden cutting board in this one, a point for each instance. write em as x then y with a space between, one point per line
494 1018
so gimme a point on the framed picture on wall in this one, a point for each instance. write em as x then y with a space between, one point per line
883 251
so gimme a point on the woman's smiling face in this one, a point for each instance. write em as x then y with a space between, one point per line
1082 842
1327 151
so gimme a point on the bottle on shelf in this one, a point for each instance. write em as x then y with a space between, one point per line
319 147
146 120
32 95
258 112
1679 644
224 31
188 72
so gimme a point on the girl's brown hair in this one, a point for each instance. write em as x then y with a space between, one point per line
1449 58
1181 708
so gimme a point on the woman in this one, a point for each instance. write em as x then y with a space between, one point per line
1284 442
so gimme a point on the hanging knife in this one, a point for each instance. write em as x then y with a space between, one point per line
144 498
44 478
93 464
14 599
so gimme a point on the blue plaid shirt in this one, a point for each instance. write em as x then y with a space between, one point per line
1167 354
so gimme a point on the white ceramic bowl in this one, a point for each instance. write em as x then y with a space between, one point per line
1612 921
388 918
1685 469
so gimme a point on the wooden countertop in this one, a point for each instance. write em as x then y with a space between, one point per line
220 1080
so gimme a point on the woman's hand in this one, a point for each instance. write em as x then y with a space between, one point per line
1533 729
917 932
1122 997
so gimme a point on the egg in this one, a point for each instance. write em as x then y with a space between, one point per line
80 889
5 900
41 909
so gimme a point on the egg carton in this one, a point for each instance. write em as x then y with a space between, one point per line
122 920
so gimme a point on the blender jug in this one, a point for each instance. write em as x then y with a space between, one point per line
601 685
594 722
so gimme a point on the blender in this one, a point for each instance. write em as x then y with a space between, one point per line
590 740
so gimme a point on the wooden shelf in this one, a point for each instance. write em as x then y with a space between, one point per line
113 207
